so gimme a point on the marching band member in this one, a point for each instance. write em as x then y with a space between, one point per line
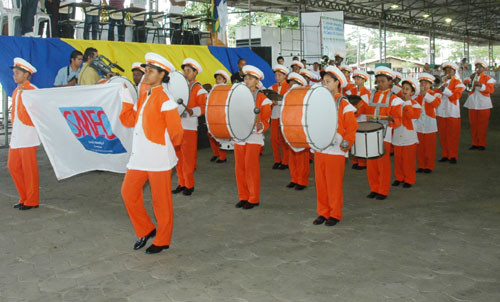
346 71
137 73
297 66
219 155
386 108
277 140
479 104
405 138
24 141
189 148
449 130
329 164
157 131
426 125
247 152
299 157
311 77
396 87
359 89
339 58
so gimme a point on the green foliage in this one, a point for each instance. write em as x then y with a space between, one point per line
197 8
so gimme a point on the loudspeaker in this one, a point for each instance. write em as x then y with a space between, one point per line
265 52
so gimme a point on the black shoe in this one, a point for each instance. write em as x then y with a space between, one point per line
283 167
473 147
154 249
396 183
355 166
240 203
188 191
299 187
427 171
24 208
248 205
276 166
371 195
220 161
420 170
331 221
291 185
407 185
141 242
453 161
17 205
442 160
481 148
381 197
319 220
214 158
178 189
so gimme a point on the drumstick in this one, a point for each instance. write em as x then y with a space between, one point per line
181 102
377 116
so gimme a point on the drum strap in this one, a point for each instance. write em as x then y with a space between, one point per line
384 104
192 85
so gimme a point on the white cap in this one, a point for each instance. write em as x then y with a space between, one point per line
260 85
297 77
451 65
481 62
223 73
24 65
252 70
345 67
193 63
413 82
398 75
361 74
338 74
159 61
281 68
138 65
426 77
309 74
298 63
382 70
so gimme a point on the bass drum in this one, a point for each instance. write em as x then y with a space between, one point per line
230 112
309 118
123 80
178 87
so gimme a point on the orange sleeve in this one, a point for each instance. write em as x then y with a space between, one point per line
351 126
128 115
456 94
264 116
436 102
396 114
415 111
490 87
174 126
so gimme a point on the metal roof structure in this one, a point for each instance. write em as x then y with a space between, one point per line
474 21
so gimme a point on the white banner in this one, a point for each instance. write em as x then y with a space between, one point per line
319 30
332 37
80 127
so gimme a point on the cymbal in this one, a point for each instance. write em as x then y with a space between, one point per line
354 99
272 95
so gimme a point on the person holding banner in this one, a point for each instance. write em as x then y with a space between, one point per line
219 155
24 141
196 107
158 132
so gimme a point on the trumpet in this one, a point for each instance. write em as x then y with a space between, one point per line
445 82
469 87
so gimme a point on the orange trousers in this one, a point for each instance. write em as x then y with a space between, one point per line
247 168
132 193
441 124
216 150
329 177
426 150
359 161
278 142
23 169
299 166
187 155
405 158
479 121
449 136
379 172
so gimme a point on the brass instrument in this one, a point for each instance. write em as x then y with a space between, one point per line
445 82
469 87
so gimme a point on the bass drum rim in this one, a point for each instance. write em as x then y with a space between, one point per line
229 97
186 102
136 96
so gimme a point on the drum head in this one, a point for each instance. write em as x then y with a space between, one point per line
320 118
131 87
240 114
369 126
178 87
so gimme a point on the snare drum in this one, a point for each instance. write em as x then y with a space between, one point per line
123 80
230 112
309 118
178 87
369 142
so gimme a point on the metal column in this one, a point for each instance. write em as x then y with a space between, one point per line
466 49
491 59
301 28
382 40
249 26
432 48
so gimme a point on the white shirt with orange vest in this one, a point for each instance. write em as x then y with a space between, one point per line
406 135
23 135
426 123
479 98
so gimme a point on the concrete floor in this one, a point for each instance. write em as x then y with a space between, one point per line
438 241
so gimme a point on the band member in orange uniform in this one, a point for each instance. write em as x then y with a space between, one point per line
359 89
247 152
24 141
385 108
219 155
189 148
329 164
479 104
297 66
404 139
426 125
138 72
346 71
449 130
157 131
299 157
277 140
